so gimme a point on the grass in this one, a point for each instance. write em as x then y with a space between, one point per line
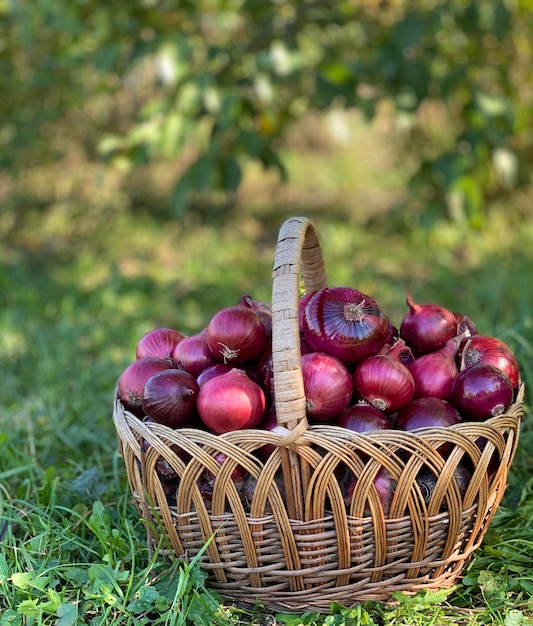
79 292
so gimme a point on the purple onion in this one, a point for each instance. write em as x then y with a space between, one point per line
327 385
426 413
427 327
344 323
482 391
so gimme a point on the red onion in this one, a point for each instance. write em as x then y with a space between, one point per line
361 418
231 401
427 412
435 372
236 335
427 327
482 391
263 309
327 385
237 476
158 343
385 382
212 371
491 351
193 354
132 380
344 323
384 485
302 302
169 397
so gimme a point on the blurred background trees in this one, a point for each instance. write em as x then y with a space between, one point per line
203 89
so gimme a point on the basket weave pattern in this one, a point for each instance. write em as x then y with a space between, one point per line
297 545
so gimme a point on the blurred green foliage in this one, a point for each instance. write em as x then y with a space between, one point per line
213 84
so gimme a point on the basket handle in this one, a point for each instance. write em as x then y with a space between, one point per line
298 253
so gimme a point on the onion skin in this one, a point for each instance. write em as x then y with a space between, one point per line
427 327
133 378
435 372
193 354
344 323
158 343
384 382
361 418
465 326
482 391
169 398
327 385
427 412
491 351
231 401
236 335
399 350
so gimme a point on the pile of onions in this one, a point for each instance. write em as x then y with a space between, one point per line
360 372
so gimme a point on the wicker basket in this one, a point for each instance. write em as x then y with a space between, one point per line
297 546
